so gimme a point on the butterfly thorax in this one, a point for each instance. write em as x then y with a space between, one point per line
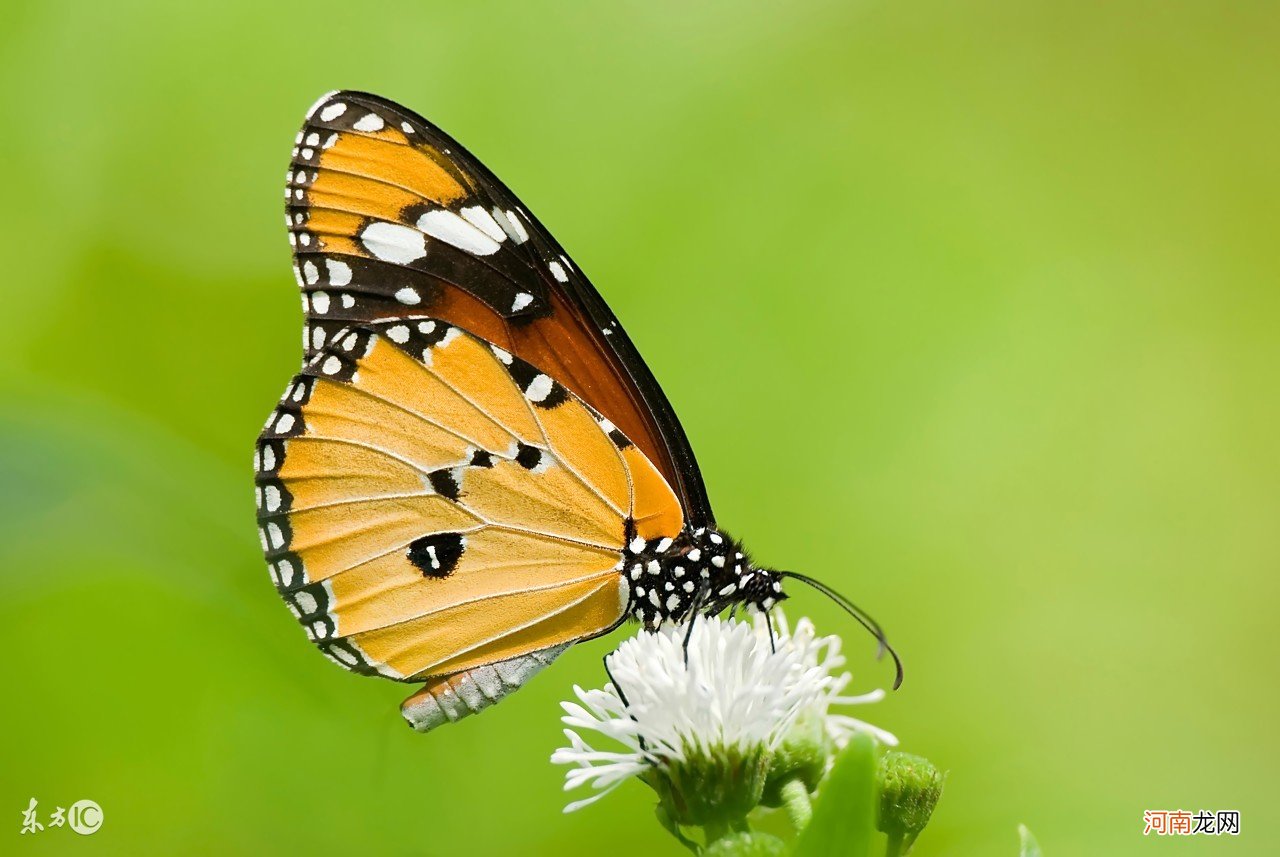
703 570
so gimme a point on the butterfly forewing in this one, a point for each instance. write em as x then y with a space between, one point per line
431 504
390 218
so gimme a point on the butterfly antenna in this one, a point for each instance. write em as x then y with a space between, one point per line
860 615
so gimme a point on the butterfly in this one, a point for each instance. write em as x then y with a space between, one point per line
474 468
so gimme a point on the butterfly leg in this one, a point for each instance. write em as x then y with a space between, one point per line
613 681
621 695
694 610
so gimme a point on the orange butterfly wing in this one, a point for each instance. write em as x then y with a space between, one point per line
431 505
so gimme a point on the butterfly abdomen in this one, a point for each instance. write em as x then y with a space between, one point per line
451 698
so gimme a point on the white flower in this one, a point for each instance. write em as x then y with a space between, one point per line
738 698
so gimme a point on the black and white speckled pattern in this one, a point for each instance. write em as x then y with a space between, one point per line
705 568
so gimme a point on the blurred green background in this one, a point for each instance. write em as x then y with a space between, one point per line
970 309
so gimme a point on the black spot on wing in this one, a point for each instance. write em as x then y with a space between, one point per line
620 440
528 457
536 386
445 482
481 458
437 555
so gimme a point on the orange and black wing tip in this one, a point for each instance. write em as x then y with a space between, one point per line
389 217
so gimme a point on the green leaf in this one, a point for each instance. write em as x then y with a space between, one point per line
844 812
1030 848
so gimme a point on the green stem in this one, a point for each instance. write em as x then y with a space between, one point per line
669 824
795 797
893 848
715 830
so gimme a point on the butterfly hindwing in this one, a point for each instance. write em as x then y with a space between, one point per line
430 504
392 219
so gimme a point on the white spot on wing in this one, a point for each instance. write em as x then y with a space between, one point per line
408 296
319 301
339 272
523 299
539 388
392 242
369 122
517 228
483 220
333 111
557 271
452 229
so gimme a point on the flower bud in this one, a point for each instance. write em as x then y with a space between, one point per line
803 755
909 790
